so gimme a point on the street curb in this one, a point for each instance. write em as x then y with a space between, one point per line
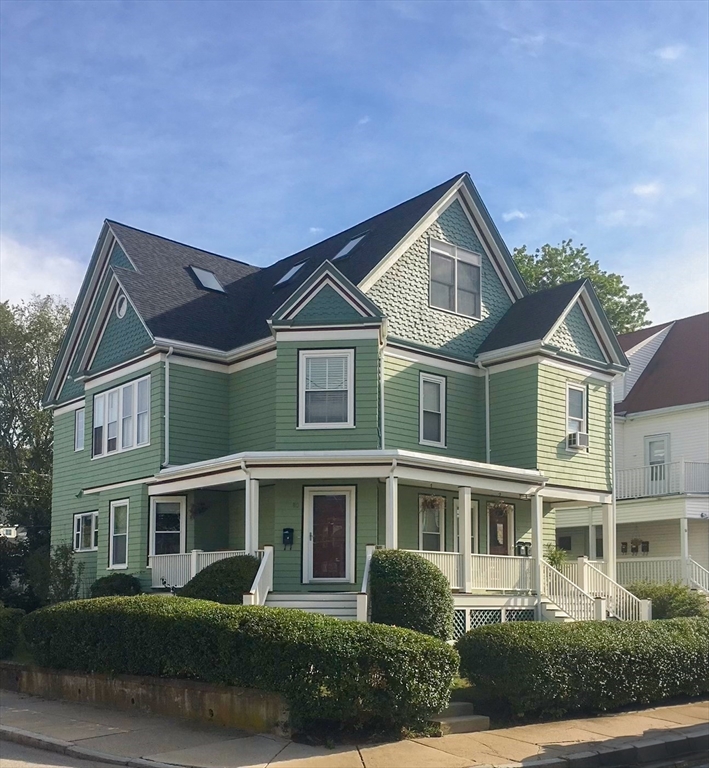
679 742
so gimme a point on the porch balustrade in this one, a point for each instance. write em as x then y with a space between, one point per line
663 479
176 570
573 600
655 569
503 573
449 563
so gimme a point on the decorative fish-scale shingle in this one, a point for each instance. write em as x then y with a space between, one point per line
574 336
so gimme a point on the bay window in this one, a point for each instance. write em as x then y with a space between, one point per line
121 418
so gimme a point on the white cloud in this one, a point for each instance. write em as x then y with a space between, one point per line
670 52
621 217
652 189
364 120
316 230
40 269
515 214
532 44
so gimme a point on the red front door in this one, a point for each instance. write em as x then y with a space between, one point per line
329 536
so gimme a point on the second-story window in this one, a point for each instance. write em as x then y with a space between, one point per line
576 409
79 429
121 418
326 389
432 406
455 279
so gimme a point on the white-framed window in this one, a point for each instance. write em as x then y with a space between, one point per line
79 429
326 389
575 408
432 409
432 513
456 279
86 532
167 525
122 418
118 538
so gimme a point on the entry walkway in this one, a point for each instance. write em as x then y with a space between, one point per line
146 741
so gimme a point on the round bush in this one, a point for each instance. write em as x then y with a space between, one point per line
670 601
408 591
121 584
224 581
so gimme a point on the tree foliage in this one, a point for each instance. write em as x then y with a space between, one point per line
30 335
552 265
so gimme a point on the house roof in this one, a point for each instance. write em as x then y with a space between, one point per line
173 305
531 318
678 373
629 340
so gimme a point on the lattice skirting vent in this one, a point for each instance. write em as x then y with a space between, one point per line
465 619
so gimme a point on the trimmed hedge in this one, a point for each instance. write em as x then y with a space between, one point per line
349 673
224 581
670 601
116 584
542 668
408 591
10 619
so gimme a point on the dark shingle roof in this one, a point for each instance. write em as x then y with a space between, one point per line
531 318
173 306
678 373
629 340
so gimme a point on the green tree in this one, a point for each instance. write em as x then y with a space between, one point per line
30 335
552 265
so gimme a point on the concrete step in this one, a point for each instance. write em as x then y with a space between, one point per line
339 605
460 717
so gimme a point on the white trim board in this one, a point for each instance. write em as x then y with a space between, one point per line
422 358
345 334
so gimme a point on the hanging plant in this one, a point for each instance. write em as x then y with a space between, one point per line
431 502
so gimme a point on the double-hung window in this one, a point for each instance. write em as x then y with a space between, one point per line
326 389
575 408
122 418
432 409
167 523
118 544
79 429
432 510
455 279
86 532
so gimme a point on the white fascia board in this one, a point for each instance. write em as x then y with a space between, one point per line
526 348
340 334
667 410
577 495
74 405
327 281
99 326
217 355
113 486
119 372
411 356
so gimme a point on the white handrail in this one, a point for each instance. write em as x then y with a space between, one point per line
263 581
622 604
363 596
566 595
659 570
698 576
502 572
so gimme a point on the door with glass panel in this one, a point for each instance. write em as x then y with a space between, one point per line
329 535
167 524
657 456
500 528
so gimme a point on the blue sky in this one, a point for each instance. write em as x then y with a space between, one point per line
256 129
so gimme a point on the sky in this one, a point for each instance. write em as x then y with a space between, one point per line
254 129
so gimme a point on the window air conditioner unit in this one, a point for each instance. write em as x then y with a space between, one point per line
577 440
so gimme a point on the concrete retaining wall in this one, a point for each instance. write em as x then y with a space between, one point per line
245 708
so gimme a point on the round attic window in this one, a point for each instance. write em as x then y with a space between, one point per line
121 306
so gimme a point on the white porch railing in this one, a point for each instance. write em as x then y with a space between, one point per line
363 595
263 581
503 573
578 604
656 569
447 562
663 479
698 576
177 569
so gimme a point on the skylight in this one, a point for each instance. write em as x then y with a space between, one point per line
207 279
348 247
289 275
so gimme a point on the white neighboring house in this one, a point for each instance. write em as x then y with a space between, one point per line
661 460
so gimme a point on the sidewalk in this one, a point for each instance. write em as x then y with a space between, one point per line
139 740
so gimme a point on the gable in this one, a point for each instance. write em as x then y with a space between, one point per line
402 292
574 335
326 307
122 338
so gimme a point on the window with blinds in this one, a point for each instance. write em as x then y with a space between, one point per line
326 396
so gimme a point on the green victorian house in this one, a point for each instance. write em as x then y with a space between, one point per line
392 386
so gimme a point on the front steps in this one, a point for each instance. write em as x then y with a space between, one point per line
549 611
339 605
460 717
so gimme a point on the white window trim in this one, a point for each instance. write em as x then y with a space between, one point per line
94 524
443 524
182 501
475 510
349 491
81 433
451 251
305 354
653 438
584 390
119 503
441 380
119 435
511 525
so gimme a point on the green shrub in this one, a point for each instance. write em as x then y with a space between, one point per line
224 581
349 673
10 619
116 584
408 591
542 668
670 601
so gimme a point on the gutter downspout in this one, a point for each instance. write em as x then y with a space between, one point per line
487 410
166 462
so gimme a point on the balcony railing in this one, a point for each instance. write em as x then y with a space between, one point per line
177 569
663 479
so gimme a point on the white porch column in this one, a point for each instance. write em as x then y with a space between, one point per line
609 545
537 539
465 515
392 513
251 515
684 549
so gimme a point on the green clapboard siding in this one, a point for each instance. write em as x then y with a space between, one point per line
123 338
252 408
327 307
364 435
465 417
513 415
199 414
575 336
578 469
